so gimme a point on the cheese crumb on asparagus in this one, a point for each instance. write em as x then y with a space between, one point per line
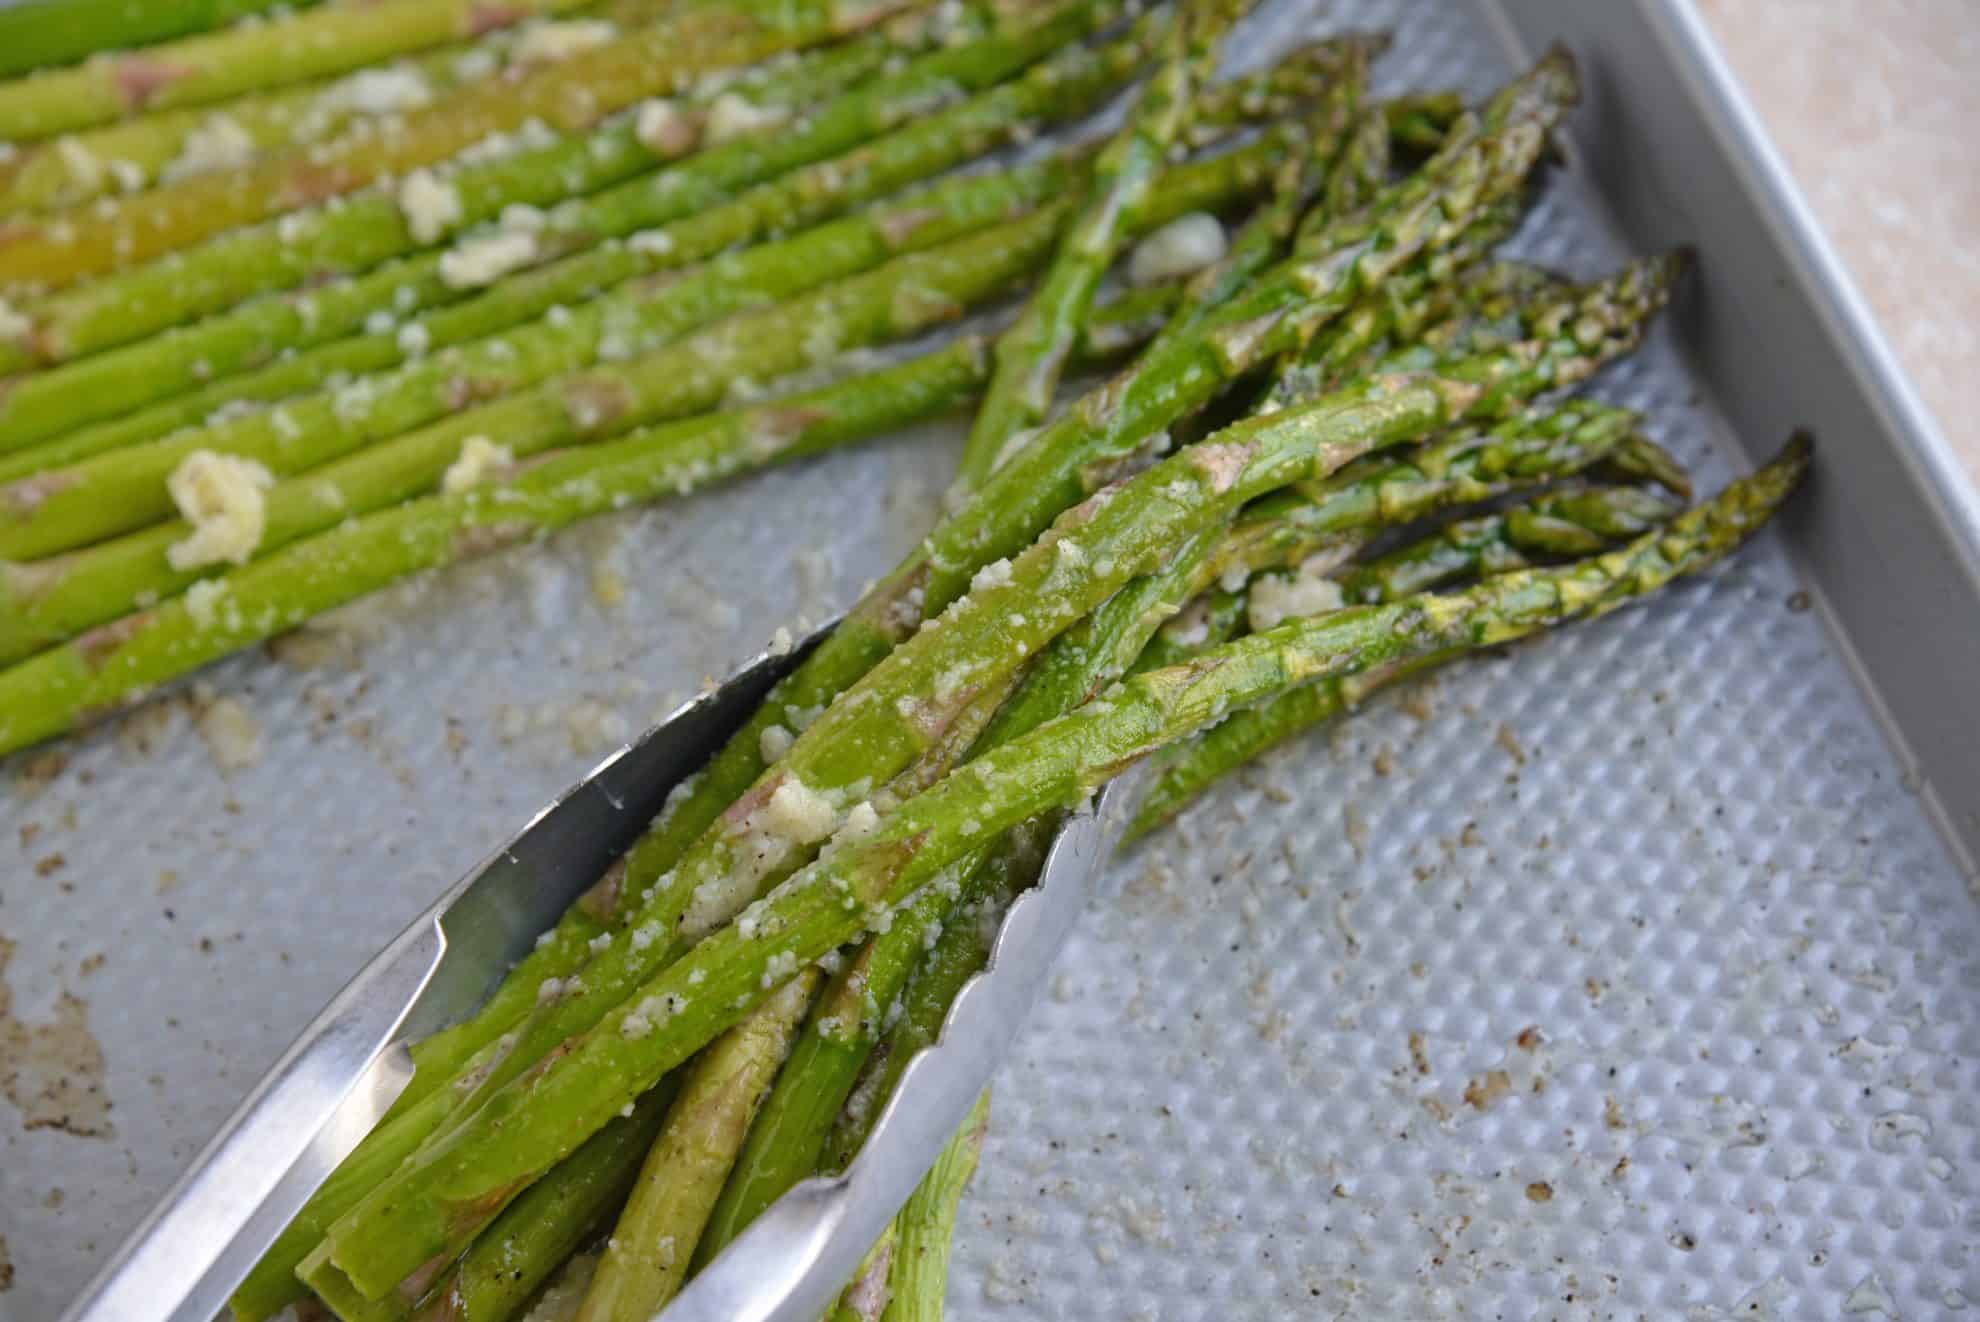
220 496
481 261
480 459
1182 247
431 207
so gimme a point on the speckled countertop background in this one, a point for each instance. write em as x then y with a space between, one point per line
1876 104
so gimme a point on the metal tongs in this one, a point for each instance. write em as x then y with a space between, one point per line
334 1083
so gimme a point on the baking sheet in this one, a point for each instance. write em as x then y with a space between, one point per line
1621 977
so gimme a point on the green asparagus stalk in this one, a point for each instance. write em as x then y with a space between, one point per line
81 504
690 212
1187 188
866 1297
1264 237
54 599
873 629
1047 475
137 153
441 1198
920 1277
1277 93
1418 121
571 94
503 1269
1553 525
240 59
647 1257
570 402
1032 354
345 564
41 33
140 152
784 1143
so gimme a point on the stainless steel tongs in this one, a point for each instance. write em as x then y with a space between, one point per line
334 1083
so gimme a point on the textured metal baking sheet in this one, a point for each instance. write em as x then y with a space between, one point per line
1622 977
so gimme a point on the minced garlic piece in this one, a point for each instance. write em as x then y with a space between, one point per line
430 206
799 813
1182 247
1276 598
217 143
732 117
480 459
220 496
482 261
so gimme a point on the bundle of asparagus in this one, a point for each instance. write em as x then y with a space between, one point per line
1338 457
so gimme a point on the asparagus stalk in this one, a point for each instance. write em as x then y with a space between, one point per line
647 1257
140 152
571 401
1571 523
1021 496
134 154
441 1198
1306 75
240 59
1418 121
866 1295
54 599
571 94
1032 354
41 33
347 563
852 650
503 1269
448 1053
783 1145
83 503
694 210
919 1280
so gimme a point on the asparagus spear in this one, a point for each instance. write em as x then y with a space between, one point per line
40 33
1418 121
139 152
134 154
54 599
865 1298
919 1280
1306 75
1046 475
1032 354
440 1199
570 94
867 635
243 58
502 1270
646 1258
342 565
693 210
1552 525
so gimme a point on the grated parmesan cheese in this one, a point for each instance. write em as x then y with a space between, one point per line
662 128
201 599
1276 598
230 733
484 260
431 207
545 43
390 90
798 813
996 574
480 459
732 117
14 324
220 496
218 143
1182 247
774 742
